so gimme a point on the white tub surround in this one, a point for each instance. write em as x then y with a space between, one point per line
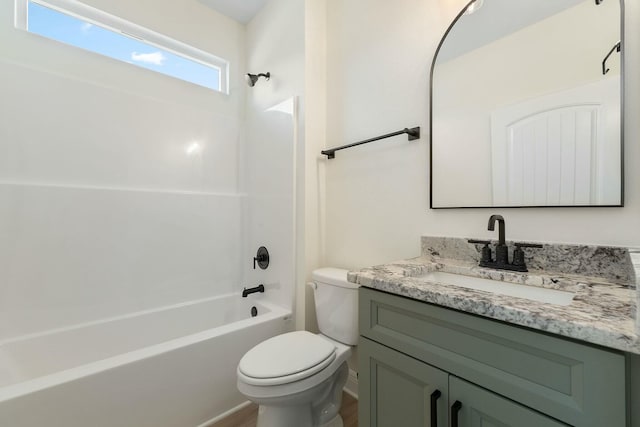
176 363
602 312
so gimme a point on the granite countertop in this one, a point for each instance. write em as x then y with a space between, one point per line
602 311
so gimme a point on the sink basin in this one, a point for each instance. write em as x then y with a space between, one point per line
549 296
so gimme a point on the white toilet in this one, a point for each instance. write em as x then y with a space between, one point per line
297 378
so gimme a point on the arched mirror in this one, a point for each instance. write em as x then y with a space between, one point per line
526 105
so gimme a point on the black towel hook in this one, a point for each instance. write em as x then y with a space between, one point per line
615 48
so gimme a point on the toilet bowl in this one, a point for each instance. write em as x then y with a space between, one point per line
297 378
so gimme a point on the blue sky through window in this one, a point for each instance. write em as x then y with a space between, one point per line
58 26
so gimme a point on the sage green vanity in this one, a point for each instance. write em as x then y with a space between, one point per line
436 355
502 375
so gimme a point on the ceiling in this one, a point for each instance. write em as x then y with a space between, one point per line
240 10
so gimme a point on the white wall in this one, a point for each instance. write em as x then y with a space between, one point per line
311 213
102 212
377 195
275 44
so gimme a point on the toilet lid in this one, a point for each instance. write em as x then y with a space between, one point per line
287 358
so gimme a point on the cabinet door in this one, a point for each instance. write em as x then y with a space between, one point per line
473 406
397 390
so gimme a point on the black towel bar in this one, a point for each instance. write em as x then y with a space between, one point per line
413 133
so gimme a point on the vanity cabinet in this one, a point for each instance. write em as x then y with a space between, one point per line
502 375
400 390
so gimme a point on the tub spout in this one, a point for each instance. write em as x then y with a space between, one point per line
246 292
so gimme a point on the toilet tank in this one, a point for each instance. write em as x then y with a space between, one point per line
336 304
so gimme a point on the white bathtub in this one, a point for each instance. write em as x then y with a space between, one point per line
171 367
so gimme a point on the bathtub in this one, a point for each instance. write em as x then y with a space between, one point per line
170 367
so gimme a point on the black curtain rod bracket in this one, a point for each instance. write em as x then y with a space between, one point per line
413 134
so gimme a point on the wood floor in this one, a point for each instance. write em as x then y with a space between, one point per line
248 416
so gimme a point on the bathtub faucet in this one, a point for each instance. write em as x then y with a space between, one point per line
245 291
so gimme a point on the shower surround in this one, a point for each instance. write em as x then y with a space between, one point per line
130 213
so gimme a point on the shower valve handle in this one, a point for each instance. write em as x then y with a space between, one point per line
262 258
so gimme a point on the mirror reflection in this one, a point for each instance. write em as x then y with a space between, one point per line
522 113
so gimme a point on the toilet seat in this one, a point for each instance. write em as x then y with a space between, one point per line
286 358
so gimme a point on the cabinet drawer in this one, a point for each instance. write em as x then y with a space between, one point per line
578 384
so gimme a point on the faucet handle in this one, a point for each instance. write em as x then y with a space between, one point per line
485 253
528 245
479 242
518 254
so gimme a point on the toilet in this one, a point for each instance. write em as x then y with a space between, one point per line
297 378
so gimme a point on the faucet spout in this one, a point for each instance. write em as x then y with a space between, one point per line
246 292
501 232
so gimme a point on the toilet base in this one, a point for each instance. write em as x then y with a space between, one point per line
270 416
284 416
316 407
336 422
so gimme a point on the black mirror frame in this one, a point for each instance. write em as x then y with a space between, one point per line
622 97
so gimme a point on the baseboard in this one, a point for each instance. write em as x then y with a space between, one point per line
224 415
352 384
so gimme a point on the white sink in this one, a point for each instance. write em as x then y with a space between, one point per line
549 296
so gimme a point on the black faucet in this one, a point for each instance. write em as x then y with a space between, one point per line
492 227
502 251
246 292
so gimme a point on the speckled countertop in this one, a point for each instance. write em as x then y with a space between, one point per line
603 310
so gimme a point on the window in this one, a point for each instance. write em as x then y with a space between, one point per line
79 25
